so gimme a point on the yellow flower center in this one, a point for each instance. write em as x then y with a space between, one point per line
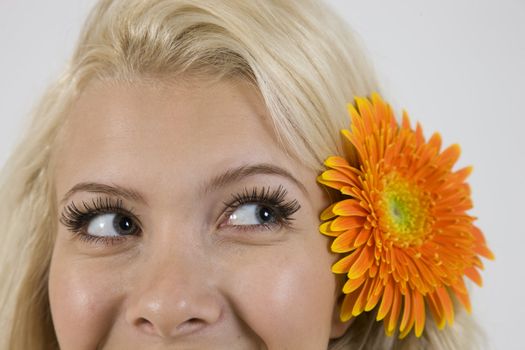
405 211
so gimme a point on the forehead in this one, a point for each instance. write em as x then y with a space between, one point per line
162 112
158 133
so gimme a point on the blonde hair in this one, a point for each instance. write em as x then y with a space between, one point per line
298 54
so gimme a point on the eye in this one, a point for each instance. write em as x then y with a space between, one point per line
260 208
252 214
111 225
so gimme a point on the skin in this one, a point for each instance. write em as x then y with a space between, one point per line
192 277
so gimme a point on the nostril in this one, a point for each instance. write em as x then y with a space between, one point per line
192 321
190 325
145 325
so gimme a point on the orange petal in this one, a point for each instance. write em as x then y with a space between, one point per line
324 228
351 173
476 262
348 305
350 191
481 247
362 238
350 137
354 114
376 290
335 161
484 251
393 316
343 265
337 176
462 174
359 305
343 223
333 184
397 266
349 207
474 275
435 141
386 302
380 107
463 299
374 268
345 242
449 156
460 286
405 122
420 139
352 285
446 304
362 263
407 311
409 325
478 235
328 213
419 311
435 309
365 110
426 273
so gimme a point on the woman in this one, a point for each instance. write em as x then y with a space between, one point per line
166 196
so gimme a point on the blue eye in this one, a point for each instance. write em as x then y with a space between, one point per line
258 208
111 225
101 220
252 214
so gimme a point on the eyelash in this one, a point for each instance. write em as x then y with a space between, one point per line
76 220
265 197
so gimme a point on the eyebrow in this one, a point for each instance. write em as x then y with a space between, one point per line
113 190
236 174
229 177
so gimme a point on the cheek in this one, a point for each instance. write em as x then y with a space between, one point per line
83 300
288 301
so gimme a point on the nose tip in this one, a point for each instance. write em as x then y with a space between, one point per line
173 315
172 297
175 318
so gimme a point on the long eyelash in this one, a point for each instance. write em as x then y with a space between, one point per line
275 199
76 219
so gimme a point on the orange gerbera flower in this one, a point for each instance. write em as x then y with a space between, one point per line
402 224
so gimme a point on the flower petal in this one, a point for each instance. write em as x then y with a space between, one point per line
362 263
328 213
393 316
348 305
474 275
407 310
343 223
446 304
419 313
436 310
345 242
343 265
386 302
352 285
325 229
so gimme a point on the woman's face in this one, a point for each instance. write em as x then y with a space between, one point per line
185 226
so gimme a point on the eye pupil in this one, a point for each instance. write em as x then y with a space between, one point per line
265 214
124 224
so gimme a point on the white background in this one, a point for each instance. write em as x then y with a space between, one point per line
456 66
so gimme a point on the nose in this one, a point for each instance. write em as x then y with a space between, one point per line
173 297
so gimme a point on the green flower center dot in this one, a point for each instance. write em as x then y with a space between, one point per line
405 211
